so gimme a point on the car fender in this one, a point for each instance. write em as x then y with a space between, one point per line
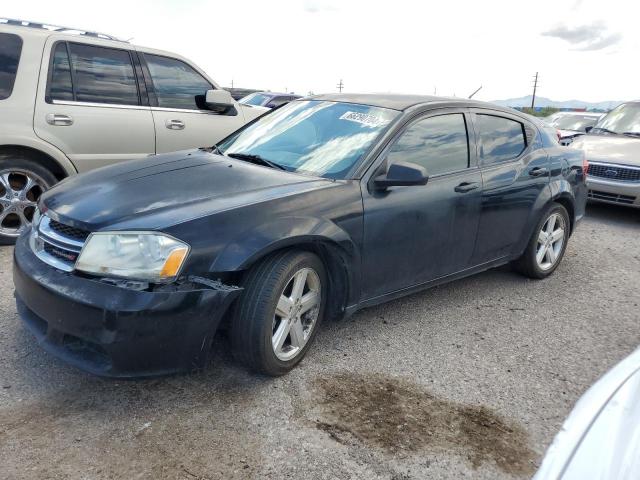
241 253
535 214
41 146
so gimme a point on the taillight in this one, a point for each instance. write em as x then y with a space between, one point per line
585 165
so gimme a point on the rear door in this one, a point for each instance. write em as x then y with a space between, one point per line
90 104
177 93
415 234
515 170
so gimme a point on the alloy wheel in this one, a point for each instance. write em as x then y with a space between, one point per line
20 191
550 241
296 314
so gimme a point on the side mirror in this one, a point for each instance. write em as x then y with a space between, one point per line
220 101
402 174
588 129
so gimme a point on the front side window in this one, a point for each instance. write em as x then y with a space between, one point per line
10 50
103 75
501 139
439 144
176 84
315 137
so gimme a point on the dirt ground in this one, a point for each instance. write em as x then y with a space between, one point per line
469 380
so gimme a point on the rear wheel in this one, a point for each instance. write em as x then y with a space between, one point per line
22 182
547 244
278 314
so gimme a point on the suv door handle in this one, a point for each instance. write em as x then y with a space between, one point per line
465 187
57 119
539 172
174 124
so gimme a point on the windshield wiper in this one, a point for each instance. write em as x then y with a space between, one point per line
632 134
605 130
248 157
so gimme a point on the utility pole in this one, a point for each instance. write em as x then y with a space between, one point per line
340 86
535 87
232 83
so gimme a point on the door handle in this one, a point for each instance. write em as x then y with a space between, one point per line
174 124
57 119
465 187
539 172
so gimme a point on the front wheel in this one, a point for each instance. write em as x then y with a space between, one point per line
279 311
547 244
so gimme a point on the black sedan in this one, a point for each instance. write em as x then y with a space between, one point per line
328 205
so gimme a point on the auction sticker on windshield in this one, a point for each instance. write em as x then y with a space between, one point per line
364 119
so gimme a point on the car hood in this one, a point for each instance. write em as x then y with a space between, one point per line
610 148
167 189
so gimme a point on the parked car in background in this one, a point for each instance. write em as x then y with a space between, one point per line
601 436
72 100
572 124
325 206
613 150
269 99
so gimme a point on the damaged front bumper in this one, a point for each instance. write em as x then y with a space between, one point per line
113 331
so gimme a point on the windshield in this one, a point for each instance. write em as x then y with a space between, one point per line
574 122
315 137
255 99
622 119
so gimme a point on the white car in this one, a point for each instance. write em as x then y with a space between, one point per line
72 100
601 437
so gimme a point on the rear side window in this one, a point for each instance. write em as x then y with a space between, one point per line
439 144
176 84
10 49
97 75
501 139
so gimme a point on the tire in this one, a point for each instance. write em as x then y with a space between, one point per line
257 325
529 264
18 198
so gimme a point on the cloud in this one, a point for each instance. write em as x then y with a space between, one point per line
585 37
312 6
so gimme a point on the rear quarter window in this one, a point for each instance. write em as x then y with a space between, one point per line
500 139
10 50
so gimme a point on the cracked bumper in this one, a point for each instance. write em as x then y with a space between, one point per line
112 331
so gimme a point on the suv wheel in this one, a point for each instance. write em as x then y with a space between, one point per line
279 311
547 244
22 182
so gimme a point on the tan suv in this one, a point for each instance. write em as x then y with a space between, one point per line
72 100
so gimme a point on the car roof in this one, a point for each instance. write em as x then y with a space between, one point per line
404 101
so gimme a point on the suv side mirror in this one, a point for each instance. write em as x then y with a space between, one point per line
402 174
220 101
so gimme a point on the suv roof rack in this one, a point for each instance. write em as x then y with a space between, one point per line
57 28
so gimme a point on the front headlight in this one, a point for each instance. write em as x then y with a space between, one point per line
149 256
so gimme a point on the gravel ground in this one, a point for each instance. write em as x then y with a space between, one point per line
468 380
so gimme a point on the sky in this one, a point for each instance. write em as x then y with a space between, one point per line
585 50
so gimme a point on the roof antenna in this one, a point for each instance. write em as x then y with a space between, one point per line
479 88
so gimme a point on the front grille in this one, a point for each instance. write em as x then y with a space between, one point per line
60 253
611 197
614 172
68 231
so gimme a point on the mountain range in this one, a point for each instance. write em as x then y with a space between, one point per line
546 102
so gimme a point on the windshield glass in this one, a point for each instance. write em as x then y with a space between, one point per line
622 119
255 99
574 122
314 137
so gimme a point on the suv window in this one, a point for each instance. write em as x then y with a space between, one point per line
98 75
439 144
10 49
500 138
176 84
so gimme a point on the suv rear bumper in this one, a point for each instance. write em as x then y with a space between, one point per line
113 331
617 193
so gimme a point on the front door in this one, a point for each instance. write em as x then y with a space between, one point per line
89 104
415 234
182 121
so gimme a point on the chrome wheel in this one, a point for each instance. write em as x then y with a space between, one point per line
20 191
550 241
296 314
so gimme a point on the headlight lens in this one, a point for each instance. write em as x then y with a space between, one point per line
141 256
